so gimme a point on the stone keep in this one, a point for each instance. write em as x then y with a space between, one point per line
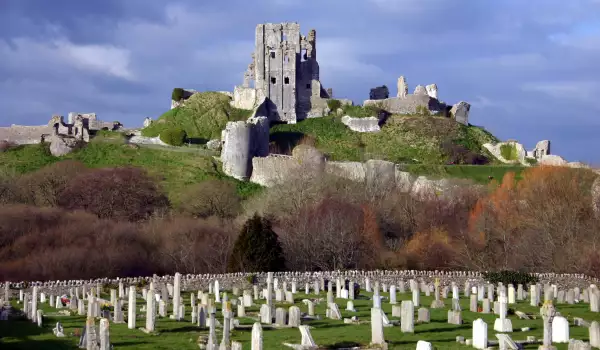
284 69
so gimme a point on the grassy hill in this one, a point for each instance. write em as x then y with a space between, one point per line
414 141
175 169
203 117
403 139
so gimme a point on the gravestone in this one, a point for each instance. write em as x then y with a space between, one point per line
407 320
480 336
502 324
104 334
423 315
505 342
377 337
424 345
560 330
280 317
595 334
294 316
548 312
307 340
257 338
473 303
131 312
416 298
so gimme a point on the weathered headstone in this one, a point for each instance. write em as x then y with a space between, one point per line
480 336
377 337
407 320
131 312
423 315
257 338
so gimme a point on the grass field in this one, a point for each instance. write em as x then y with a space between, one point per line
22 334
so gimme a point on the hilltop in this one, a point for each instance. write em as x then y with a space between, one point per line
203 117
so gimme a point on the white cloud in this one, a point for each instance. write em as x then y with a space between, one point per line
582 91
60 53
532 60
104 59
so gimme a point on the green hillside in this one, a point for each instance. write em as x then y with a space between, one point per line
203 117
175 169
403 139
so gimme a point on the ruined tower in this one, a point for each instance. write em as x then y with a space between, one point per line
285 70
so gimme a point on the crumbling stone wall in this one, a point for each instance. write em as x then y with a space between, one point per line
284 70
370 124
276 169
410 104
244 140
273 169
24 135
379 93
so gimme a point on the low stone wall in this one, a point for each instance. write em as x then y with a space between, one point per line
23 135
193 282
408 104
273 169
354 171
143 140
276 169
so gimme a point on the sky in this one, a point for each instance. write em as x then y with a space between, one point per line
530 69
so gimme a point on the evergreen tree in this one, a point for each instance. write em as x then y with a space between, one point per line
257 249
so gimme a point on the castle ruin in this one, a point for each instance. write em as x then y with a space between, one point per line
284 73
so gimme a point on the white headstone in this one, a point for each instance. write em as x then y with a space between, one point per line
560 330
480 336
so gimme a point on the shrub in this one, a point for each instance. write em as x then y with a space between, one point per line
508 151
422 110
6 145
42 187
257 249
251 279
531 161
177 94
211 198
173 136
118 193
510 277
459 154
334 104
38 243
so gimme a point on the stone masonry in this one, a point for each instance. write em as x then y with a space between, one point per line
284 70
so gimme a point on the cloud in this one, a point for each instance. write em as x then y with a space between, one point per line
101 59
582 91
104 59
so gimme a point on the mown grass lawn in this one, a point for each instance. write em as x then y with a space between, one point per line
22 334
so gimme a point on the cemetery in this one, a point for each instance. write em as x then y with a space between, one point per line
304 310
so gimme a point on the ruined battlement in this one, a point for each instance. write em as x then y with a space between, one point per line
284 69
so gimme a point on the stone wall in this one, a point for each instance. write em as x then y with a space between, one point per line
277 169
273 169
370 124
23 135
409 104
244 97
195 282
